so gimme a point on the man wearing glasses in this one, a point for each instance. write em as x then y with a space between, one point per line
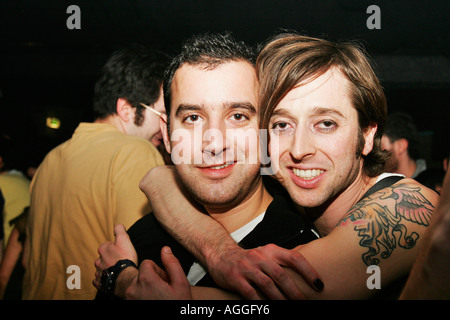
91 182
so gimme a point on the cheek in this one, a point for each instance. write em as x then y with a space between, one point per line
182 146
278 149
341 150
246 143
153 126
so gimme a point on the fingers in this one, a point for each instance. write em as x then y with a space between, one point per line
258 275
153 283
173 267
149 271
152 269
282 286
273 281
267 272
298 263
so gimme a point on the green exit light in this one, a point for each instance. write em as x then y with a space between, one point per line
53 122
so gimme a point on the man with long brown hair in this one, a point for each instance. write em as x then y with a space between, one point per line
325 111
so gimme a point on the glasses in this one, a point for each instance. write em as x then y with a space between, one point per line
159 114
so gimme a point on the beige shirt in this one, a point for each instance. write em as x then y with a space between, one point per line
81 190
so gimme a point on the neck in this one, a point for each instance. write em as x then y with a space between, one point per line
331 212
407 167
114 121
251 207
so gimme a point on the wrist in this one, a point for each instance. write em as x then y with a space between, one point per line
215 255
124 280
110 275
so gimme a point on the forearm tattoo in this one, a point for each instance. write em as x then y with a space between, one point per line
382 229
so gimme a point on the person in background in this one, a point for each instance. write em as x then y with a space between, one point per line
14 184
401 139
89 183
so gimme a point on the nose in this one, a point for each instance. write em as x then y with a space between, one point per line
302 145
214 141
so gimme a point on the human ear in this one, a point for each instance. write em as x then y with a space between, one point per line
369 135
164 131
401 145
124 109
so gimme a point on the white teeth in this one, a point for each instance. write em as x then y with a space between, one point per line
307 174
221 167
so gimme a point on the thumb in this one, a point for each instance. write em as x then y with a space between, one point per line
123 241
120 233
173 268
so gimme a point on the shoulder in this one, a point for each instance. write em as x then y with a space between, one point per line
383 230
133 143
407 199
392 219
133 150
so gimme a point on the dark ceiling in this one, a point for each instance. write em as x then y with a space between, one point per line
47 69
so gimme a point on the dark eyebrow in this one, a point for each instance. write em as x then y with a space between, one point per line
241 105
280 112
187 107
324 110
316 111
227 105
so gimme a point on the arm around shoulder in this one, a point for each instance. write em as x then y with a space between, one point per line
381 234
181 216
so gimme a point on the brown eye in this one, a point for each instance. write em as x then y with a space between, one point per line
326 126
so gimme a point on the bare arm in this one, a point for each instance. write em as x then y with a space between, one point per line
381 231
181 216
384 231
429 278
228 264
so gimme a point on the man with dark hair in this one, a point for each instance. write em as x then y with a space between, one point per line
90 183
401 139
211 89
323 106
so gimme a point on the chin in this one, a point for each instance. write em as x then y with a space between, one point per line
215 197
307 198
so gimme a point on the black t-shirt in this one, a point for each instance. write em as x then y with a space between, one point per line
282 225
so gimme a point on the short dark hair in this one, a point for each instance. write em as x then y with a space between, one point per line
134 73
210 50
401 125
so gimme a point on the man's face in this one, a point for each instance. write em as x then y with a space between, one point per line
314 132
211 113
150 129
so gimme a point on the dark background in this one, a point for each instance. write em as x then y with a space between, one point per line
48 70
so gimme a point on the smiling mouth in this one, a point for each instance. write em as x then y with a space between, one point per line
218 167
307 174
221 167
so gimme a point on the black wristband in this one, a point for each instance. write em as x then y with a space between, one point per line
109 275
